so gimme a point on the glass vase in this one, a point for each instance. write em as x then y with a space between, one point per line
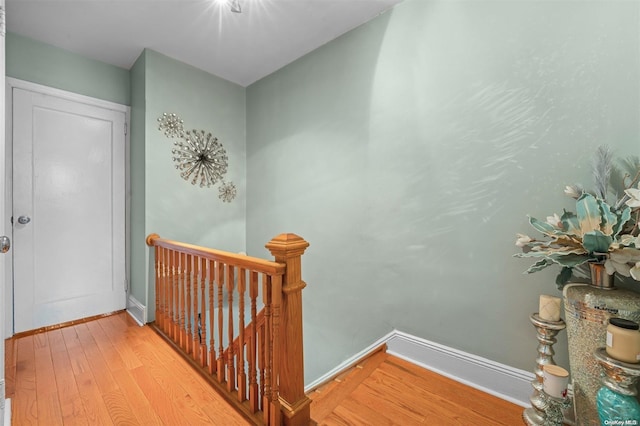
588 309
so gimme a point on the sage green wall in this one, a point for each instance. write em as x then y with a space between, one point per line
137 142
51 66
174 208
409 152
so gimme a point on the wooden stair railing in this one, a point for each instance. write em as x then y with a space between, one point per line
256 362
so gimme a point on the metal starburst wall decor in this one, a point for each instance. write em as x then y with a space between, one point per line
199 156
171 125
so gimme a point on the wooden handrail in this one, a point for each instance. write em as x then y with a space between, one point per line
248 262
259 367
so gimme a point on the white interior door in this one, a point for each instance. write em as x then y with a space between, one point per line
5 228
68 210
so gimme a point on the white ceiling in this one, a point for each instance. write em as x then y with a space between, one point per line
242 48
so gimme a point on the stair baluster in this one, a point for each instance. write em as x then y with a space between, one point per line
175 297
254 401
219 283
212 341
240 367
231 373
187 303
203 312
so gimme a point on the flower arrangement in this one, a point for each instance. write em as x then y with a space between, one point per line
599 231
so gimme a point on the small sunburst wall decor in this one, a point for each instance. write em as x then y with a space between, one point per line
227 192
171 125
198 155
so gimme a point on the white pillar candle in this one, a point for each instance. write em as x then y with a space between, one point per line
623 340
555 380
549 308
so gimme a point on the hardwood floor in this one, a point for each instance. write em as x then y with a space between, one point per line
112 372
107 372
386 390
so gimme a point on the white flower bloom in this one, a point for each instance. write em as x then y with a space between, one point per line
635 272
522 240
573 191
634 197
625 255
620 261
611 266
608 266
554 221
629 240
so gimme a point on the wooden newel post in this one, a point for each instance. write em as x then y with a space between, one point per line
288 249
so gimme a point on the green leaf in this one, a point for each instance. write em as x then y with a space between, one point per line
570 223
544 227
538 266
609 219
563 277
588 213
596 242
550 252
623 218
570 260
563 259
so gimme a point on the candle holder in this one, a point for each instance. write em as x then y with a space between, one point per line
546 332
616 399
553 409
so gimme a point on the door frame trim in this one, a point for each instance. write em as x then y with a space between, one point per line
7 261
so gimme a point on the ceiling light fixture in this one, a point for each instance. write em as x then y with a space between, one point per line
235 6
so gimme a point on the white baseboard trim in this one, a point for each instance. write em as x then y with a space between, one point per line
500 380
503 381
137 310
7 412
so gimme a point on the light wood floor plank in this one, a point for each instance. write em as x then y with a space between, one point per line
387 406
182 394
93 400
40 341
10 359
165 408
397 392
119 409
70 337
45 375
56 341
99 366
350 412
49 411
216 409
494 410
117 334
142 408
25 405
326 400
70 401
112 352
407 393
79 361
46 385
148 355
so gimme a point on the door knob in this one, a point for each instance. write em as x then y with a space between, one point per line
5 244
24 220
